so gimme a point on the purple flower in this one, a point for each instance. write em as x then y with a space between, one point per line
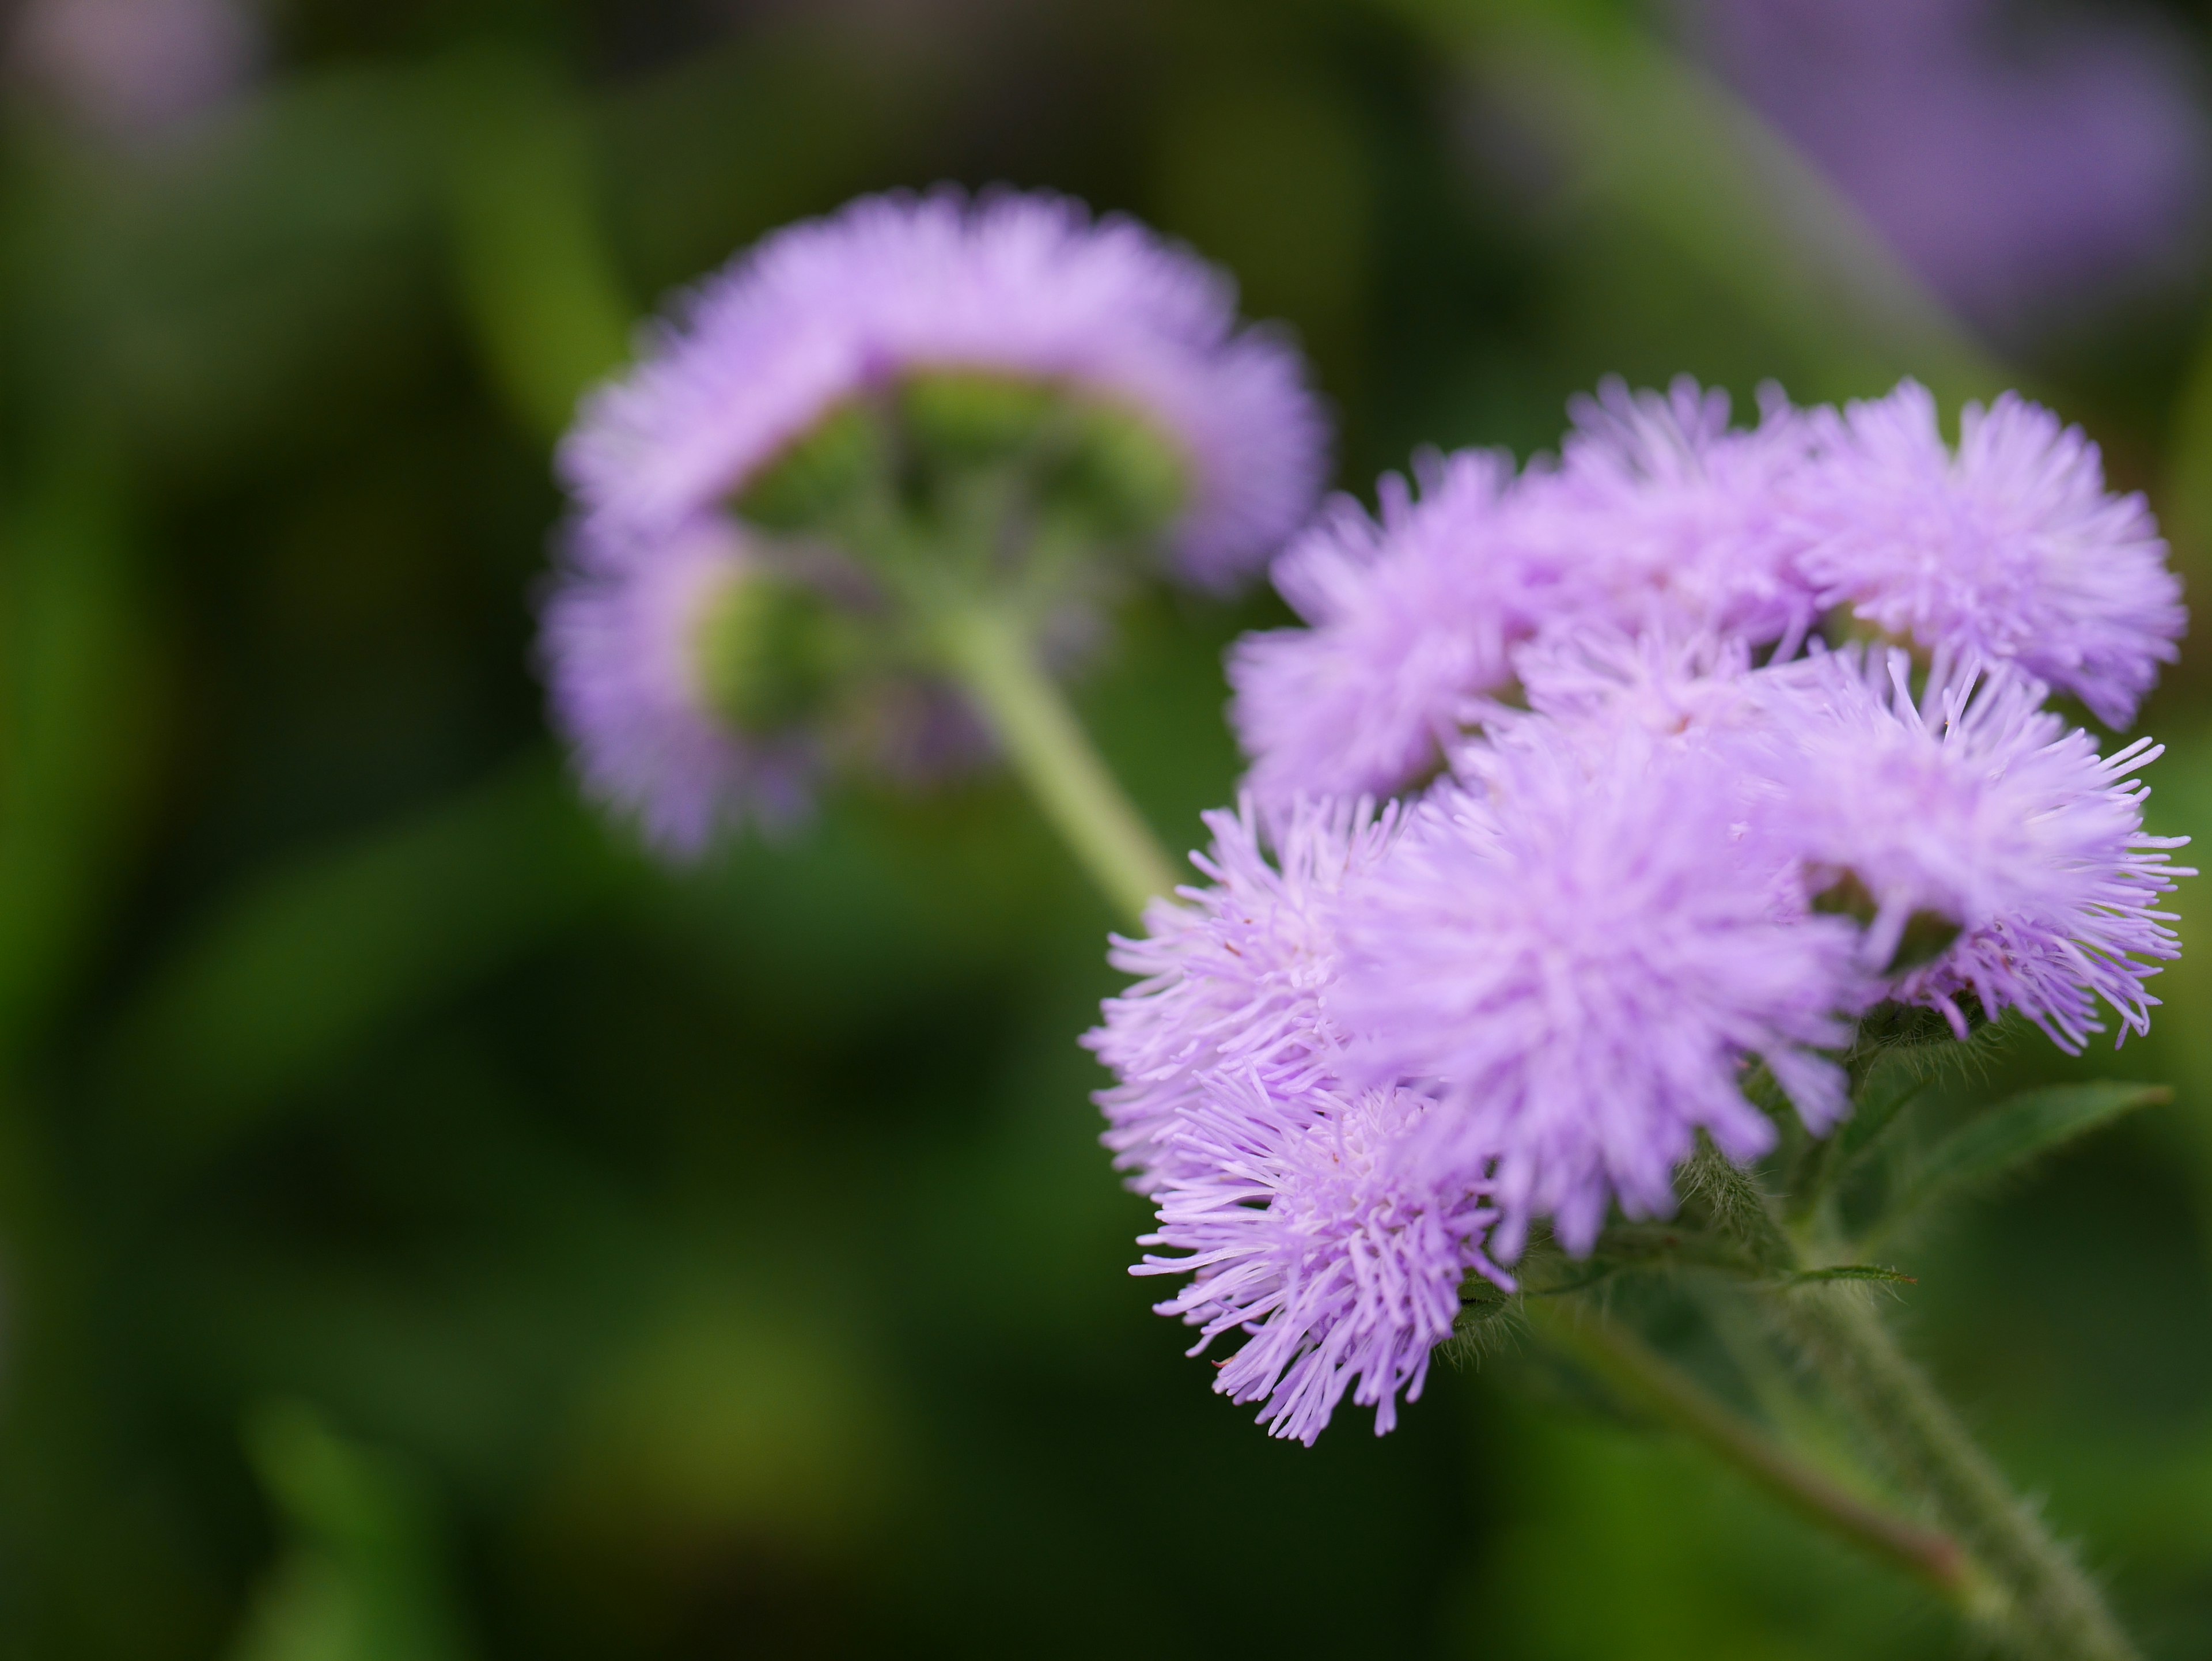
2012 550
138 70
1411 618
2017 167
1596 680
1657 515
1977 807
622 651
1304 1230
1686 519
1235 980
1579 953
836 309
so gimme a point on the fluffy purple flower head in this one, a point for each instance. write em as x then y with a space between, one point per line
1027 285
1303 1229
622 653
1686 518
1233 980
1594 681
1976 806
2011 550
1411 616
1658 515
1579 954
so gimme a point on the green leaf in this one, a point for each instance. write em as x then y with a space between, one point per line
363 1576
1852 1272
2011 1135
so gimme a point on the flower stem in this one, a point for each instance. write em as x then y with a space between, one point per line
1623 1360
2053 1608
991 654
2045 1606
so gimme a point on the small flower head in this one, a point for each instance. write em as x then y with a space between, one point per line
1234 981
1988 848
2009 550
1685 517
1596 680
1303 1229
1411 618
1580 954
982 303
674 722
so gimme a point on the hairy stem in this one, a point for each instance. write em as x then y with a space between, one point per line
990 653
2047 1607
1630 1366
2053 1609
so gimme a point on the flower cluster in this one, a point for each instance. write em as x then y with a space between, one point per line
1658 516
858 402
1716 740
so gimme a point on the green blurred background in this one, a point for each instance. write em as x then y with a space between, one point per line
431 1232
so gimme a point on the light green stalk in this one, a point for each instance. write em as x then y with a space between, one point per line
991 652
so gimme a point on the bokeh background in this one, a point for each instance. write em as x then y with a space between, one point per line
431 1232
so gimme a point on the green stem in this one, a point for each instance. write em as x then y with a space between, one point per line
1624 1361
2046 1607
991 654
2053 1609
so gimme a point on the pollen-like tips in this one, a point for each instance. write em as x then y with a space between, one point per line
770 652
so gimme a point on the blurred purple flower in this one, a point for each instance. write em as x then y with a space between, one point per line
1978 806
622 655
824 311
1303 1229
137 70
2012 550
2016 162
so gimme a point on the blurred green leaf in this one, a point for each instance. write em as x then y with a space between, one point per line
2008 1137
75 723
362 1579
537 282
289 975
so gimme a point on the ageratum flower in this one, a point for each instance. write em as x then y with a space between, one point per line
1973 819
837 312
2011 550
1234 981
1658 515
1597 679
629 656
1684 520
1302 1229
1409 618
1579 953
